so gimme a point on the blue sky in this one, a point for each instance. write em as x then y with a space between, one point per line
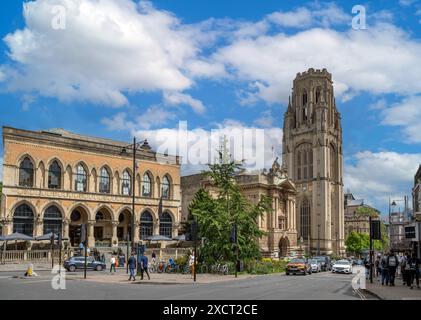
118 68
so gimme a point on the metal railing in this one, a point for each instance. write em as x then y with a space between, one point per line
24 255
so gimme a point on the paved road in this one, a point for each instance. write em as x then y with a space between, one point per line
324 286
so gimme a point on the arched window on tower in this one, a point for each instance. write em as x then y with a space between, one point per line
305 219
304 162
333 163
317 95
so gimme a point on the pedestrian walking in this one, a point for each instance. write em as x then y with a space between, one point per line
378 266
385 270
405 269
132 267
153 257
414 271
112 264
191 264
392 264
144 267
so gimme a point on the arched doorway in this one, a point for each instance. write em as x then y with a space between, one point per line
283 247
124 225
78 217
146 225
103 227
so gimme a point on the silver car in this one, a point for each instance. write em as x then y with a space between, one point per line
316 266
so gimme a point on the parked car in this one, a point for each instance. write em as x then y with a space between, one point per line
342 266
78 262
298 265
325 262
316 266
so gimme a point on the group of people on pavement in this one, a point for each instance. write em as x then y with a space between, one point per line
388 265
133 265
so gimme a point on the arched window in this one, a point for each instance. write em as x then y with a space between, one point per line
333 163
23 220
305 219
99 216
146 225
304 98
146 185
26 173
304 163
104 181
165 225
80 181
317 95
54 176
165 189
52 220
126 185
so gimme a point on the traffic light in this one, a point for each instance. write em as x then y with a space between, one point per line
376 231
233 236
191 233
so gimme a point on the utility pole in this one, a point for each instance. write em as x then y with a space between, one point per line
133 192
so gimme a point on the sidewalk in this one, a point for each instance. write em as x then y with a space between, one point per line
156 278
12 267
398 292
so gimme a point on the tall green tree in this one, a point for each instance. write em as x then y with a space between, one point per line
216 215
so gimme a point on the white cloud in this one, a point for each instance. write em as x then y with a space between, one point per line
108 48
245 142
177 98
406 3
266 120
376 176
318 14
369 60
406 114
153 117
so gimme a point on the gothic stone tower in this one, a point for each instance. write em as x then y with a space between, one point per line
312 154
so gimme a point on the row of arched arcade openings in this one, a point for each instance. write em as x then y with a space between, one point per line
103 230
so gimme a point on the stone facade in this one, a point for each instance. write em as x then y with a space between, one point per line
58 179
280 225
312 154
353 221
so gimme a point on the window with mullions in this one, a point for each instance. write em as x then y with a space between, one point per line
146 225
146 185
165 191
305 220
304 163
54 176
80 181
23 220
52 220
26 173
165 225
126 185
104 181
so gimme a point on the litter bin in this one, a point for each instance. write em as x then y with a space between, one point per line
121 261
240 266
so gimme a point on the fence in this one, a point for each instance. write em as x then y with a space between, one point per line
45 255
34 255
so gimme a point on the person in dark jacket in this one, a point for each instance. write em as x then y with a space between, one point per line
144 267
385 270
132 267
414 270
392 264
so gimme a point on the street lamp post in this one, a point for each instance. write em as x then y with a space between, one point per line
135 146
318 239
